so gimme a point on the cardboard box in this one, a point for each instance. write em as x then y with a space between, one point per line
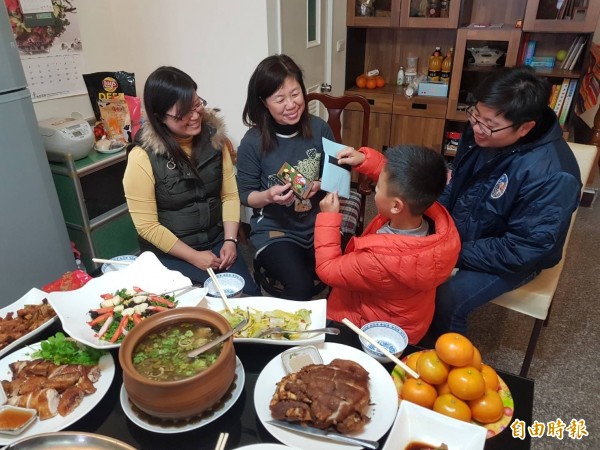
433 89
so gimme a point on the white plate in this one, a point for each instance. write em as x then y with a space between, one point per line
56 423
317 316
107 267
109 150
182 427
417 424
383 409
264 447
145 272
33 297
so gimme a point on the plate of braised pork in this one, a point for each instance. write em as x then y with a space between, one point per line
61 394
101 313
368 415
23 319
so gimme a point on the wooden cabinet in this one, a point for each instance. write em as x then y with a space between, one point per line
400 29
466 74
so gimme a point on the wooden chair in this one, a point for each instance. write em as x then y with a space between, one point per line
353 208
535 298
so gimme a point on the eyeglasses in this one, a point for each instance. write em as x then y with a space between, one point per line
483 127
197 108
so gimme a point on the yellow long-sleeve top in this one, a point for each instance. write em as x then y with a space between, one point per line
138 183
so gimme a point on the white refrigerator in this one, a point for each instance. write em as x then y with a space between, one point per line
34 244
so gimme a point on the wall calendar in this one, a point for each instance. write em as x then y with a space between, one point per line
49 43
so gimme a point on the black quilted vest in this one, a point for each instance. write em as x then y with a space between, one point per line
188 204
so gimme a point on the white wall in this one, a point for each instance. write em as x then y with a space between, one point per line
218 43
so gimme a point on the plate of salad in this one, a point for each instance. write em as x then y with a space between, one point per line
126 297
267 312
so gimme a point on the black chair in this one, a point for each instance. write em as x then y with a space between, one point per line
352 208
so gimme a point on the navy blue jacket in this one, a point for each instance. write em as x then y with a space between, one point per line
513 213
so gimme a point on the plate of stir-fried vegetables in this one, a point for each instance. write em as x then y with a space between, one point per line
266 312
101 313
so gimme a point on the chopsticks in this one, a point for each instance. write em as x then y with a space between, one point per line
222 441
220 289
110 261
360 332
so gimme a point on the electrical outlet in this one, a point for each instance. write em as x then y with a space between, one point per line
341 45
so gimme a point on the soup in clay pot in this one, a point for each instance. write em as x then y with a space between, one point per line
179 396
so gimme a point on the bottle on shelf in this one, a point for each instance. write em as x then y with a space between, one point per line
435 65
433 8
446 67
400 78
444 5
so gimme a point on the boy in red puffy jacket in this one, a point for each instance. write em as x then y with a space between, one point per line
392 271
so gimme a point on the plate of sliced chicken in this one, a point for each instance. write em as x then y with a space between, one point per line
61 394
347 373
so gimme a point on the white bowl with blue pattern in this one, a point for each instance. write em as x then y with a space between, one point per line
231 283
390 336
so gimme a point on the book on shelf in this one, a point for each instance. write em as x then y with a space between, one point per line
561 96
523 49
564 113
554 95
577 52
529 52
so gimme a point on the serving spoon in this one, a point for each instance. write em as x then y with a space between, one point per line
279 330
194 353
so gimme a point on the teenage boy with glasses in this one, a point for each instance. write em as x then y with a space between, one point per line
512 192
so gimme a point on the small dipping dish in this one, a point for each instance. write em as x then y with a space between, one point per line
14 419
296 358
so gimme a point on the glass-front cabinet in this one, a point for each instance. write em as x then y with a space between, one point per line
562 16
373 13
429 13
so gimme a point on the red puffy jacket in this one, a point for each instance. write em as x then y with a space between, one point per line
387 277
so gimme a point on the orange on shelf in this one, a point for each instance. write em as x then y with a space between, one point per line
371 83
361 81
379 81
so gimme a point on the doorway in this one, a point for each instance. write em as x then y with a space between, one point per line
313 33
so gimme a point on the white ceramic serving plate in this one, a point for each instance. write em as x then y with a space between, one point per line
56 423
417 424
383 408
33 297
145 272
106 267
264 447
166 427
317 316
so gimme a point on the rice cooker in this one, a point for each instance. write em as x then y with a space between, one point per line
66 135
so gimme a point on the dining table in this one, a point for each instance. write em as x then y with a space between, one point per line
108 418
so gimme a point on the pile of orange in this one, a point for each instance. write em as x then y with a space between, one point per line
364 81
452 381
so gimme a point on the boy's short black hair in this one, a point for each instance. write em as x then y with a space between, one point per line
416 174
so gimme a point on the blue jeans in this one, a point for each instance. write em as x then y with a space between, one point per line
467 290
198 276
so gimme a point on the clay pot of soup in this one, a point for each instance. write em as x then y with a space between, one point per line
159 377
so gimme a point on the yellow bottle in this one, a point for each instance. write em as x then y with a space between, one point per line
435 65
447 67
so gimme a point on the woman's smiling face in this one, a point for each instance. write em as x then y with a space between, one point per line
286 104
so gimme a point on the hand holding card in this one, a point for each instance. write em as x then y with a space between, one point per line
301 185
336 178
